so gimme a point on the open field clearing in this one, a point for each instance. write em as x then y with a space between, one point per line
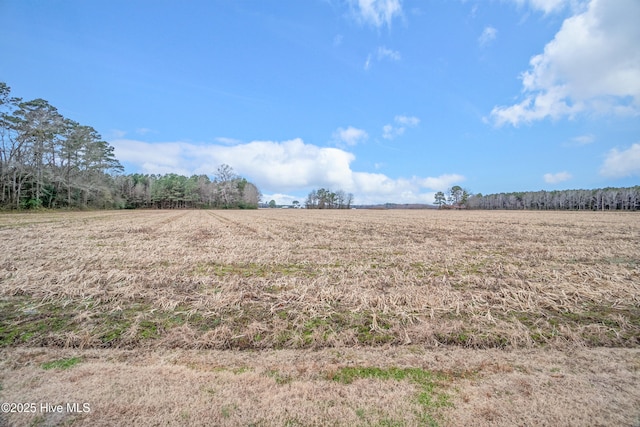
294 317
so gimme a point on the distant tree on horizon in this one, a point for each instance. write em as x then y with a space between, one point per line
327 199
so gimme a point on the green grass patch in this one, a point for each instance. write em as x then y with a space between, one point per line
279 377
430 396
21 322
61 363
227 410
25 320
323 328
618 326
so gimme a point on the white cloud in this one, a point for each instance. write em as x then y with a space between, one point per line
410 121
282 169
382 54
367 63
164 157
401 124
488 35
390 132
583 139
555 178
377 12
282 199
547 6
591 66
385 53
474 10
275 165
442 182
350 135
117 133
379 188
620 164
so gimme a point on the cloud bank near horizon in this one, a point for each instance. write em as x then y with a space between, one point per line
285 170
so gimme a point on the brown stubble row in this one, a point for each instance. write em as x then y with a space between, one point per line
313 279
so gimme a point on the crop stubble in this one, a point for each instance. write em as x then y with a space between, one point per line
386 289
297 279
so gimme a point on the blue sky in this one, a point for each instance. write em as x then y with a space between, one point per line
391 100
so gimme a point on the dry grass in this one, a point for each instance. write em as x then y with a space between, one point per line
274 279
509 296
298 388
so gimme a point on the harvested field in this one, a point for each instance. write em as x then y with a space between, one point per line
294 317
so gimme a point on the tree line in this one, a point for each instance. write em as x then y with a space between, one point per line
598 199
48 160
172 191
327 199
